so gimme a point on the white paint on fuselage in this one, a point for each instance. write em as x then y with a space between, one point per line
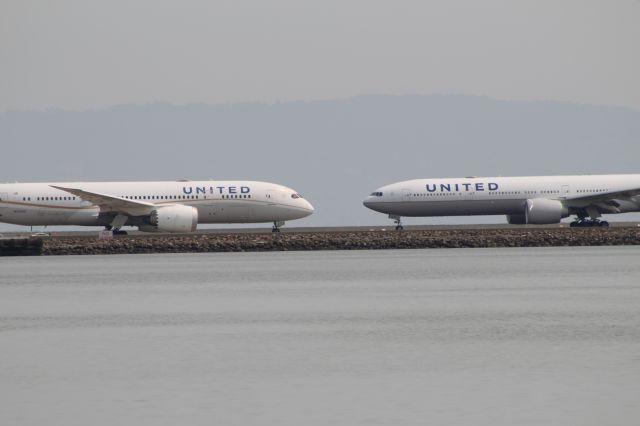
495 195
35 204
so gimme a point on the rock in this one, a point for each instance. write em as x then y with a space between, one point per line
510 237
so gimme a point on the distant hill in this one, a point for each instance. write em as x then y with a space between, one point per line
334 152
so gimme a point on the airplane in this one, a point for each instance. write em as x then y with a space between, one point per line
151 206
524 200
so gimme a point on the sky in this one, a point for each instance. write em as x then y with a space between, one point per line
86 54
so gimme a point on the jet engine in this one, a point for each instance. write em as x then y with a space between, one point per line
540 211
171 219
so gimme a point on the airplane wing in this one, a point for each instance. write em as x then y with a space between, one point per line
110 203
606 202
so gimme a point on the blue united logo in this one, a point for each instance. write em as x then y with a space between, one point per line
188 190
462 187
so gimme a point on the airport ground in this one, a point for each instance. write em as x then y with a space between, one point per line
343 238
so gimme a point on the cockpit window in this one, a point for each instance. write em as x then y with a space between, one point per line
376 194
296 196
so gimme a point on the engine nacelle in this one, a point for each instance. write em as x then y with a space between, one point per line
540 211
172 219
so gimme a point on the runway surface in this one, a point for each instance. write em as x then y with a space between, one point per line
266 229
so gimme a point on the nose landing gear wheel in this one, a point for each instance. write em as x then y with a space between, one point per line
276 226
398 221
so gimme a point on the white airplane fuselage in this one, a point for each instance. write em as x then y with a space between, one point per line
215 201
535 199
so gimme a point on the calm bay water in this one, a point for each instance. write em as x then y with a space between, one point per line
489 337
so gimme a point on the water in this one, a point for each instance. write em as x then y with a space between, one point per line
489 337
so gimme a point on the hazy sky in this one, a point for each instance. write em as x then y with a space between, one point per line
90 54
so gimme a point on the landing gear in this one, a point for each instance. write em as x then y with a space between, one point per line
276 226
589 218
115 231
583 222
398 221
115 225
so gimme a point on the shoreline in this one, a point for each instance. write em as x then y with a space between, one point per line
347 240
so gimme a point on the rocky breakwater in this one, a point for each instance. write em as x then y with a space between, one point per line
366 240
21 246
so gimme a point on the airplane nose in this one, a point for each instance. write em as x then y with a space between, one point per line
368 202
307 205
373 202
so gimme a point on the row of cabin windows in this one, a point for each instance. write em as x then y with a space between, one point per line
490 193
141 197
503 192
236 196
178 197
433 194
443 194
50 198
160 197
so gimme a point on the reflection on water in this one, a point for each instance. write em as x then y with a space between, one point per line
505 336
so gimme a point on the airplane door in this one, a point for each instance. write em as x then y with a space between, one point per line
470 207
271 197
565 191
3 197
406 194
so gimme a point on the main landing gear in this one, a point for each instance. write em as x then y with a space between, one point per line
115 231
589 218
276 226
398 221
583 222
117 222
